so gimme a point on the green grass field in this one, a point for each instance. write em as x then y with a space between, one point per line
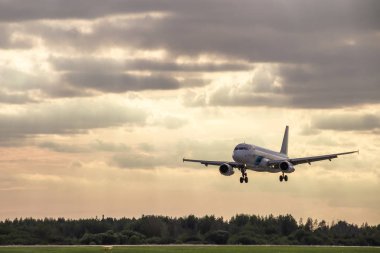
189 249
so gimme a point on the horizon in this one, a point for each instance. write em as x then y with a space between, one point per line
299 221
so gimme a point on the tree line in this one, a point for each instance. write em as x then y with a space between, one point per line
240 229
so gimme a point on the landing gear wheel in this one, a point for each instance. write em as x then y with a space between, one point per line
286 178
243 178
281 178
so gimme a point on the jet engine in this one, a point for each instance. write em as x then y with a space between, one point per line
226 169
286 166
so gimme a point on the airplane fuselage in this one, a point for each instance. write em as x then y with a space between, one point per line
256 158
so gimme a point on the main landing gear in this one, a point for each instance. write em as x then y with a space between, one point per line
243 177
283 177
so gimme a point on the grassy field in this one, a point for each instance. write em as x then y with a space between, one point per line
189 249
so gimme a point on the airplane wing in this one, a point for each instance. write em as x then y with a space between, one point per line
217 163
311 159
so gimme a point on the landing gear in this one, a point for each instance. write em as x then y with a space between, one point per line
283 177
243 178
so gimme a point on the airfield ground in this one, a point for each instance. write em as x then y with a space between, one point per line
188 249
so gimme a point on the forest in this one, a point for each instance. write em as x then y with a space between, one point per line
240 229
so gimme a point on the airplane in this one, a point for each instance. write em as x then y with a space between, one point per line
252 157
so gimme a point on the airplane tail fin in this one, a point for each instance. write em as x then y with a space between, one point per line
284 146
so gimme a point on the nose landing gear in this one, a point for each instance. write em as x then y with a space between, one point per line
283 177
243 178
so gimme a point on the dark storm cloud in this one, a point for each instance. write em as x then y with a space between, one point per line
119 82
261 31
328 52
62 90
108 75
87 64
287 15
333 84
348 122
20 10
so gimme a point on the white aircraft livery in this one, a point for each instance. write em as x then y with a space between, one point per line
251 157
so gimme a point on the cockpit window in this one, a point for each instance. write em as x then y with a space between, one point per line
241 148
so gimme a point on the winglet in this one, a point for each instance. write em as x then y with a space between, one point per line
284 146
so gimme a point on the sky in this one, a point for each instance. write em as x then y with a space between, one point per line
101 100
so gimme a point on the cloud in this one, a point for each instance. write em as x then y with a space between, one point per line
15 98
87 64
111 65
64 90
19 10
164 66
255 30
330 85
9 39
315 72
13 79
261 88
68 117
4 37
120 82
109 75
224 96
333 84
62 148
348 122
20 87
97 146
